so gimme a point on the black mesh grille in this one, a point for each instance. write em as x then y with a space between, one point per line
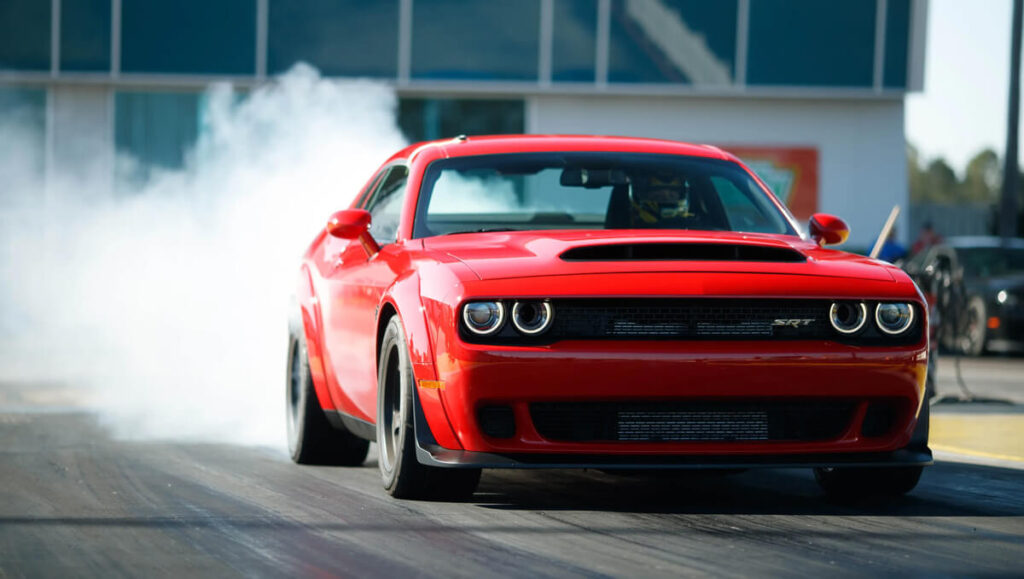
689 319
692 421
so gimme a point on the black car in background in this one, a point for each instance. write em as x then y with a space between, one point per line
978 283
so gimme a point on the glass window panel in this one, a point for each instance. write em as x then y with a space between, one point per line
386 206
25 34
811 43
897 37
475 39
341 38
188 36
22 113
429 119
154 130
85 35
678 41
575 41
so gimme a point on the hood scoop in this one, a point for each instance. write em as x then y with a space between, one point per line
682 252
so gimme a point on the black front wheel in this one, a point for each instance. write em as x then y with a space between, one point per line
403 476
311 438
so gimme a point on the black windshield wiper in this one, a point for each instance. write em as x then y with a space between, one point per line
482 230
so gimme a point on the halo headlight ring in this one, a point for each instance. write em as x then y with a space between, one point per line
904 313
836 314
483 318
532 318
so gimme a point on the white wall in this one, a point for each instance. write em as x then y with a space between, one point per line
862 156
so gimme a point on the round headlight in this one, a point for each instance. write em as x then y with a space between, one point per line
532 318
848 317
894 318
483 318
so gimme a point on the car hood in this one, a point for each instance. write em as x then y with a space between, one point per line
519 254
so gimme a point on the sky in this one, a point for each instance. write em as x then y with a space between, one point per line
967 65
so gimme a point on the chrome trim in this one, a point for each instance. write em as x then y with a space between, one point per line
910 320
497 326
549 313
860 324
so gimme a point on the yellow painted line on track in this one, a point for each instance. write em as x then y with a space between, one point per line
998 436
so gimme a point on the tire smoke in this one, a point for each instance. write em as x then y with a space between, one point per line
166 301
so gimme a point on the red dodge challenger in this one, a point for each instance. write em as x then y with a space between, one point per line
598 302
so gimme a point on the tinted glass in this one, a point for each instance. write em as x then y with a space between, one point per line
85 35
683 41
897 35
154 130
385 205
475 39
991 261
429 119
811 43
537 191
574 41
188 36
339 37
22 113
25 34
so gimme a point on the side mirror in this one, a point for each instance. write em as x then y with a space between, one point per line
353 224
828 229
349 223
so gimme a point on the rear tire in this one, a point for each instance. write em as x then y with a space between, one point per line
855 483
311 438
402 474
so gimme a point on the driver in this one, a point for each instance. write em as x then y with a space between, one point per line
660 201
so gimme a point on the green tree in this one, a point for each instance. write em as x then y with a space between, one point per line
983 178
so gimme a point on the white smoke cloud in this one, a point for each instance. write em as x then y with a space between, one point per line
168 301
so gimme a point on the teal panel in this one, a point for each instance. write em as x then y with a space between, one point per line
428 119
25 34
26 109
188 36
338 37
897 41
574 41
85 35
811 43
475 39
156 129
673 41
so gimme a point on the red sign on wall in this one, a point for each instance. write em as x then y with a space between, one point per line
790 172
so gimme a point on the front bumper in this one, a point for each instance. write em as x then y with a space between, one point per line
673 373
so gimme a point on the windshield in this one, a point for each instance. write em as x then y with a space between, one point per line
991 261
531 191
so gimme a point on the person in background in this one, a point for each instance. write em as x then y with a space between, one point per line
892 250
927 238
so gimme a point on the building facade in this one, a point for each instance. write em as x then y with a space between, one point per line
809 92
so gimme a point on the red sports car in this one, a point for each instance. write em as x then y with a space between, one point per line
598 302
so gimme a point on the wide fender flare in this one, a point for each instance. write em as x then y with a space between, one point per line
404 298
312 326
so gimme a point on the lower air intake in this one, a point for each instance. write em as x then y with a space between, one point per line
705 421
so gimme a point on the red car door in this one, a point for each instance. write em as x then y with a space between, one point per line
354 283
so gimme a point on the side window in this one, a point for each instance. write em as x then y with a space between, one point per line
385 205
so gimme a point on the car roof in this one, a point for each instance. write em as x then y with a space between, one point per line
968 241
497 144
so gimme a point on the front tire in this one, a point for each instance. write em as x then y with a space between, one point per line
856 483
311 439
402 474
976 328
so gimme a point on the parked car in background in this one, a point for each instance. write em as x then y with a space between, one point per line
979 286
